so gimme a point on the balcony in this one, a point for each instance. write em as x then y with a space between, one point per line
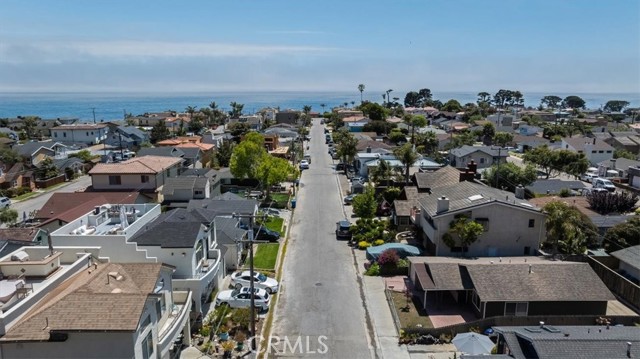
178 318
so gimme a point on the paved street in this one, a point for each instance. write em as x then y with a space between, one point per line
322 300
36 203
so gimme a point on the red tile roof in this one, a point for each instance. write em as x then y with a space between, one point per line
70 206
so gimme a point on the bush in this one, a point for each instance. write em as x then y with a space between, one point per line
364 245
565 192
374 270
241 317
608 202
389 258
378 242
403 263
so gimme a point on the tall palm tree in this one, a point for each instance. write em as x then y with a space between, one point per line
190 110
389 96
382 172
361 89
407 155
306 109
322 105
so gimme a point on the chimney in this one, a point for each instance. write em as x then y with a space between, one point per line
520 192
96 210
368 149
473 166
628 349
443 204
541 324
530 269
594 140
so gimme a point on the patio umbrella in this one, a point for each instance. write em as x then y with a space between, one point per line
123 218
473 343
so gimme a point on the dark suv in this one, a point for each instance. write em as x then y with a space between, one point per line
343 229
265 234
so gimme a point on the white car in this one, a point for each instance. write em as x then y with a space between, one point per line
304 165
241 298
241 279
5 202
588 177
604 183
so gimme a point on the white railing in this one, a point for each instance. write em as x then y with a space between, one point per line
178 318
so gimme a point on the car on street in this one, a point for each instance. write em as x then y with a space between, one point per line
266 234
260 280
343 229
304 165
588 177
349 199
604 183
5 202
241 298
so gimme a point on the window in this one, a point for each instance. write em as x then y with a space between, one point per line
532 223
484 222
55 134
147 346
518 309
145 323
87 133
115 180
199 252
64 134
144 178
198 192
481 159
91 132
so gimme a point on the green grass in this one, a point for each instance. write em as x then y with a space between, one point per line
275 224
266 255
24 196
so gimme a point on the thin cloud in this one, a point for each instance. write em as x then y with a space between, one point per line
62 51
292 32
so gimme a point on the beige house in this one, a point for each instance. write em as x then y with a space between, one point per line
146 173
513 227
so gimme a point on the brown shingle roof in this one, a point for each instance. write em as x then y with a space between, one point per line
579 143
442 177
19 234
69 206
87 302
143 165
450 276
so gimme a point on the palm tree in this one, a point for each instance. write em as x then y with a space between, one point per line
190 110
346 104
322 105
382 172
407 155
389 96
306 109
361 89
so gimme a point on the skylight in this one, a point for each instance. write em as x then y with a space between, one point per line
475 197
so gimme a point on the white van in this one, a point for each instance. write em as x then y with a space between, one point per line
5 202
604 183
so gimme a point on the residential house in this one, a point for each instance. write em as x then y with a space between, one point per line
229 237
567 342
345 112
192 157
491 208
620 165
629 143
519 286
110 310
127 137
70 166
483 156
151 119
253 122
426 182
634 176
35 152
555 187
368 145
7 142
165 151
502 122
89 134
629 262
225 208
64 207
595 150
183 189
19 175
209 173
12 239
140 233
146 173
355 123
524 143
404 208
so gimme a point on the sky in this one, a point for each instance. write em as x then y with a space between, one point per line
581 46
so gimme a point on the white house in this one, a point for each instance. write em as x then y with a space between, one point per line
595 150
127 233
89 134
513 227
112 310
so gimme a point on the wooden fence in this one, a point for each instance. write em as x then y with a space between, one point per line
619 285
50 182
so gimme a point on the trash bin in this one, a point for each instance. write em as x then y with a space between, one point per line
293 203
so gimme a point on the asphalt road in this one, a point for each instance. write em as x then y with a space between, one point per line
36 203
321 304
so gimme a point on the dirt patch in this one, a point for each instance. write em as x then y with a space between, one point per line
410 313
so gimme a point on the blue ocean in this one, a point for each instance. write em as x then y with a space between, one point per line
112 106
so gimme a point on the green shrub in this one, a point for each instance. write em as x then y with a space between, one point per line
403 263
565 192
241 317
374 270
378 242
364 245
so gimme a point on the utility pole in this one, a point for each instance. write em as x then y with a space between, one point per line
251 241
93 109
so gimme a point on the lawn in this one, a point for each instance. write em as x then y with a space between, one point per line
275 224
266 255
280 199
409 316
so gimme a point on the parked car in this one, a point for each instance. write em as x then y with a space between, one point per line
304 165
343 229
307 158
265 234
242 279
349 199
241 298
604 183
588 177
5 202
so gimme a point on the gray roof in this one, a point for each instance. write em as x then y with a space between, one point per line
630 255
63 163
132 131
621 163
181 183
467 150
449 276
554 186
227 230
161 151
222 207
578 143
199 172
571 342
228 196
174 229
28 148
571 282
190 152
444 176
470 194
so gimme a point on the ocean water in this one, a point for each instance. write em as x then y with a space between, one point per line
111 106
